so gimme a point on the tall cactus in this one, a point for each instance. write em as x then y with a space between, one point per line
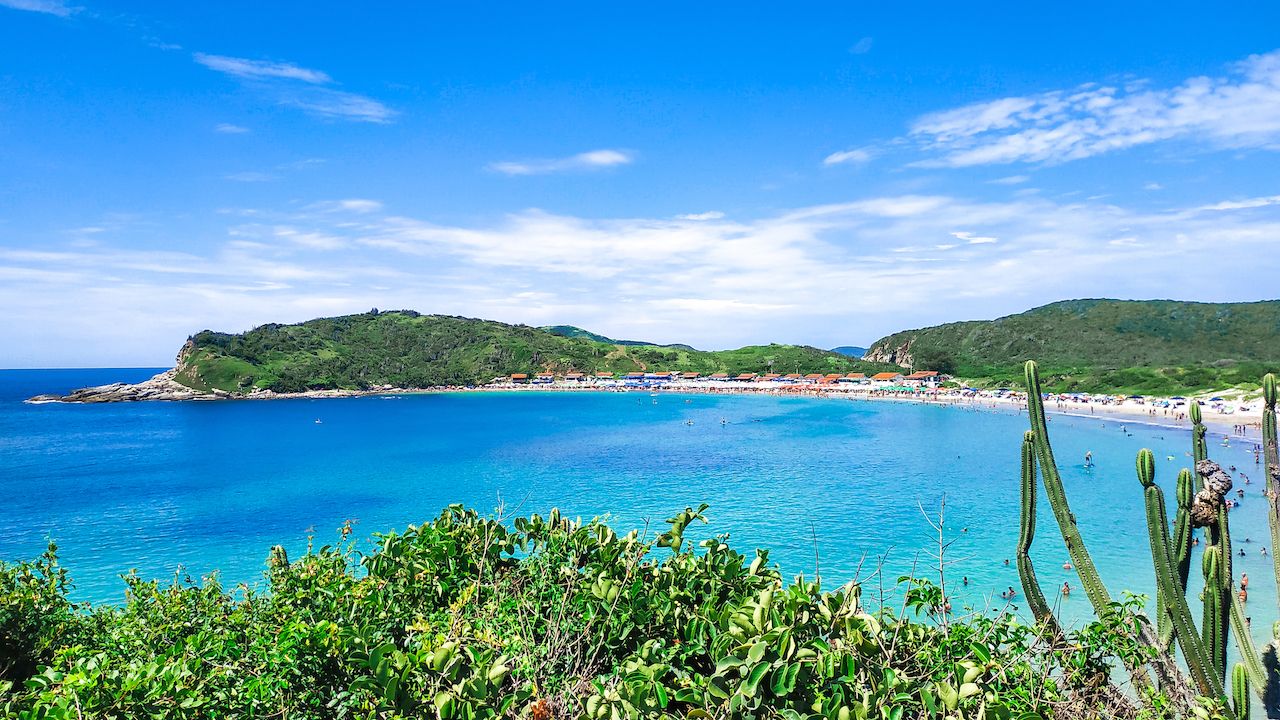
1182 530
1199 448
1209 511
1080 557
1272 456
1181 548
1026 534
1200 504
1173 597
1214 620
1240 692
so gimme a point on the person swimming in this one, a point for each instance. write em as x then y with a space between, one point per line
1066 589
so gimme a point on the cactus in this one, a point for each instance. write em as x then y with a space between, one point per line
1181 548
1182 526
1240 691
1174 601
1199 449
1080 557
1213 622
1207 510
1200 503
1027 531
1272 456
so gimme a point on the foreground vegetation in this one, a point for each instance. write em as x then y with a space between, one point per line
405 349
473 617
468 617
1155 347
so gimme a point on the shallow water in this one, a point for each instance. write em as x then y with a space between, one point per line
212 486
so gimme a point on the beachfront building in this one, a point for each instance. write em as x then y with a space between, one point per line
745 377
854 379
519 378
545 378
924 378
574 377
885 379
689 376
811 378
793 377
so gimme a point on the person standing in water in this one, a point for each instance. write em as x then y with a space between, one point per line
1088 458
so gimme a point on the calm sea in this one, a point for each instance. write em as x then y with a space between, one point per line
839 483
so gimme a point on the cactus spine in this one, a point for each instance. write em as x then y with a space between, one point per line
1027 532
1080 557
1174 601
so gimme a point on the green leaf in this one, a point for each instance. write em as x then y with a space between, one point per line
754 677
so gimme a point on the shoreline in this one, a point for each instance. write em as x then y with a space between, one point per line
1231 419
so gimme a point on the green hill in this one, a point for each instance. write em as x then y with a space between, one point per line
1146 347
406 349
572 331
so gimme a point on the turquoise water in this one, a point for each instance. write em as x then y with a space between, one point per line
211 486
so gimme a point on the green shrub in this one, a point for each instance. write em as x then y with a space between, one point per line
470 617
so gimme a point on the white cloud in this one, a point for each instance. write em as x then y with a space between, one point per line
356 205
1153 186
229 129
1238 110
973 239
330 103
299 87
1246 204
709 215
1010 180
51 7
856 156
817 274
250 177
592 160
862 47
256 69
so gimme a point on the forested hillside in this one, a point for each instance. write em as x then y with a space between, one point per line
407 349
1143 346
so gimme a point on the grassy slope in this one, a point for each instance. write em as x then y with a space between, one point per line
410 350
1150 347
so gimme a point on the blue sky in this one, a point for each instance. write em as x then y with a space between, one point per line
718 174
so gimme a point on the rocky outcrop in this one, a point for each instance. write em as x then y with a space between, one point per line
160 387
165 387
888 353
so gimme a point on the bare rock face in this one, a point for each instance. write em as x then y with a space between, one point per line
160 387
1208 502
900 355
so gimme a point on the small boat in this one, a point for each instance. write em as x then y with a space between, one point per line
319 421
